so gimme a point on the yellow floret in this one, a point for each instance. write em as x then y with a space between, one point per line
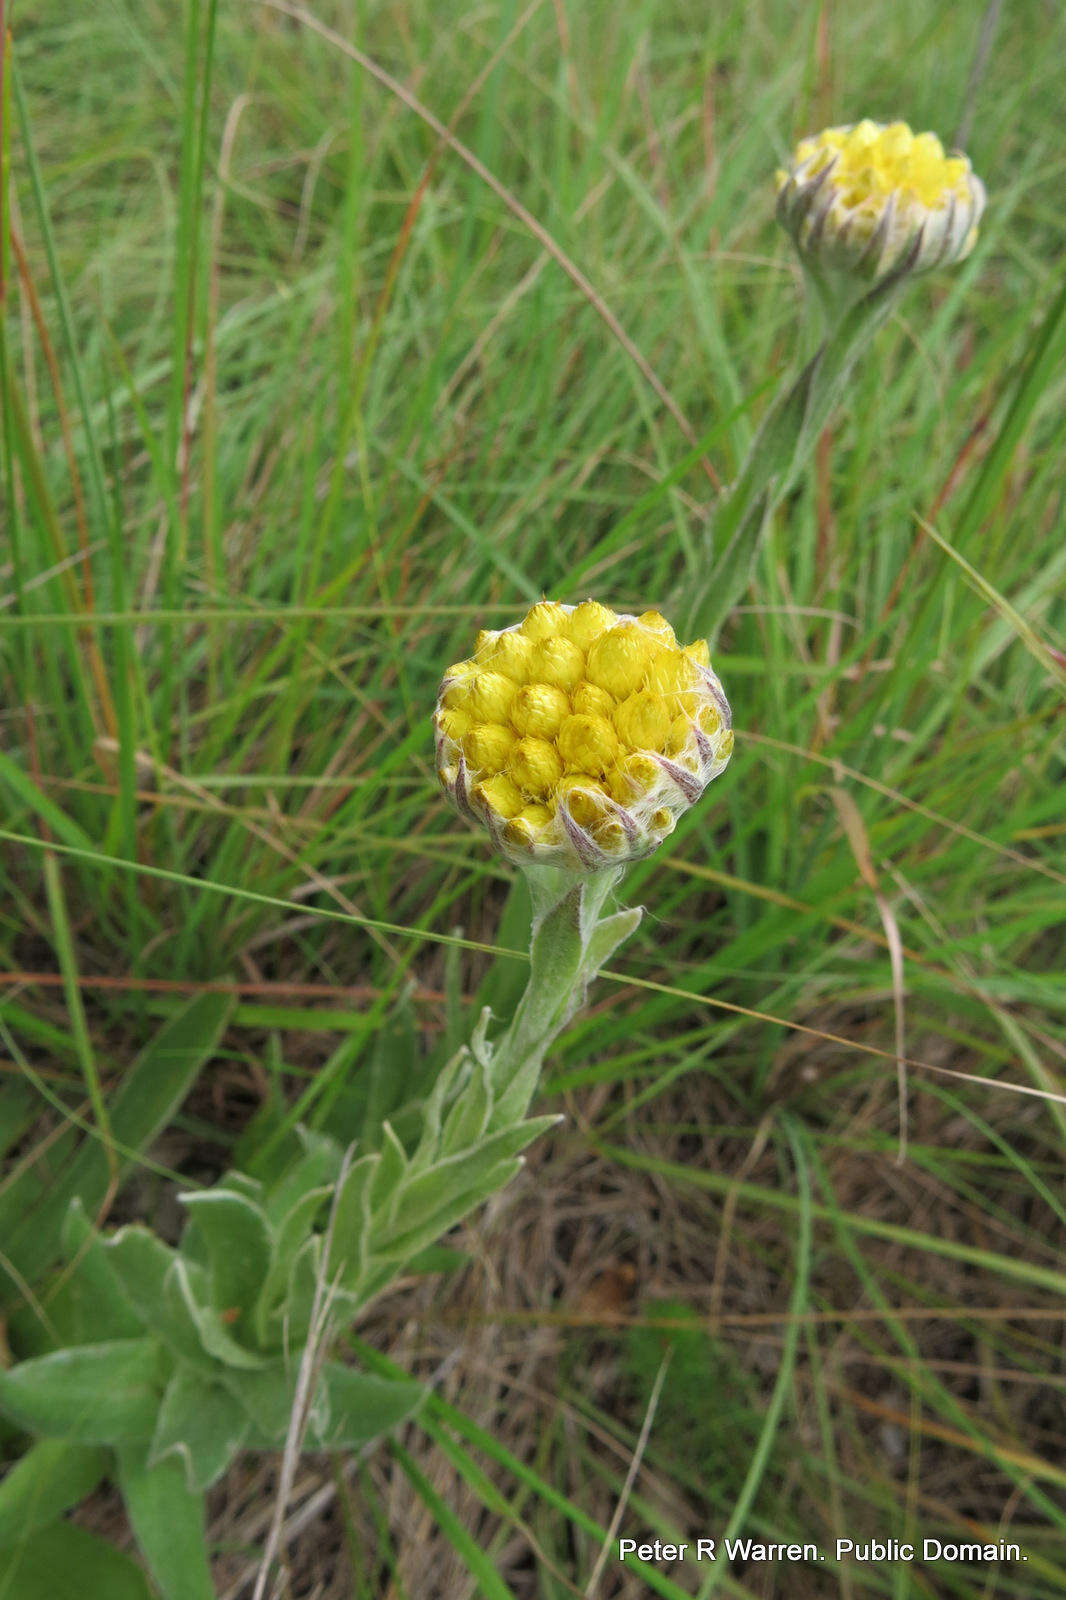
557 661
656 623
454 722
670 672
873 161
587 621
680 735
499 795
699 651
459 670
589 701
535 766
708 719
584 796
491 695
540 710
643 721
487 746
588 744
510 653
528 827
543 620
634 777
618 660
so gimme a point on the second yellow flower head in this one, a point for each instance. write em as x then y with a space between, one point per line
579 736
869 197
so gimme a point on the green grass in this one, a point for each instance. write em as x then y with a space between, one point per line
325 406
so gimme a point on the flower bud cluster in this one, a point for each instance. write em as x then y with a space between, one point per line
869 197
579 736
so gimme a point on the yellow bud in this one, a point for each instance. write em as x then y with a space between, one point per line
587 621
490 696
535 766
487 746
543 620
610 835
725 746
584 797
459 670
663 821
656 623
680 735
708 719
540 710
447 776
588 744
453 724
510 654
455 695
699 651
589 701
670 672
499 795
557 661
634 777
484 642
643 721
528 827
618 660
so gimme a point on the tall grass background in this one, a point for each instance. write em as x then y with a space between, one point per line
328 339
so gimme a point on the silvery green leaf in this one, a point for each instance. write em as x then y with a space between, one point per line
240 1247
449 1083
89 1394
187 1300
250 1187
316 1168
605 938
390 1172
361 1407
387 1264
432 1191
480 1048
469 1117
291 1319
66 1562
144 1265
87 1306
49 1478
351 1217
266 1398
202 1424
168 1522
291 1233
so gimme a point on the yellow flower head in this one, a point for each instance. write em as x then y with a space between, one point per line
869 197
578 736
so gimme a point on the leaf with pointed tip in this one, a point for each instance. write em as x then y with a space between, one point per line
361 1407
202 1424
52 1476
292 1231
186 1298
460 1174
168 1522
65 1562
352 1216
317 1167
88 1305
90 1394
239 1245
